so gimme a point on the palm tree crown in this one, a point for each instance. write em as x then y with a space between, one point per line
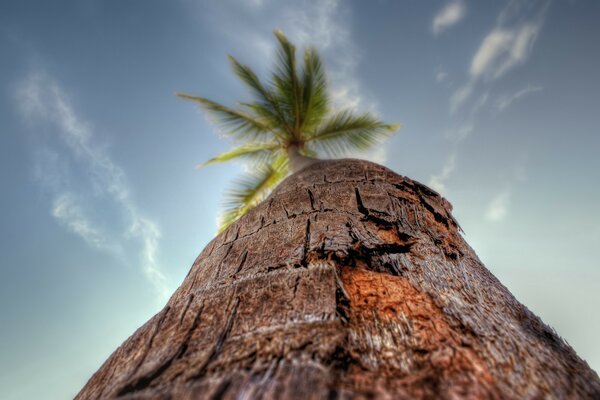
289 123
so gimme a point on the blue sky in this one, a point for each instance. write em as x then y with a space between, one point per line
103 212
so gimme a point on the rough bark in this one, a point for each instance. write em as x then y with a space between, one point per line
349 281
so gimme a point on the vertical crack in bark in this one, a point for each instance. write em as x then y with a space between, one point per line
221 389
312 199
242 262
287 213
359 203
187 305
219 343
306 244
342 300
296 282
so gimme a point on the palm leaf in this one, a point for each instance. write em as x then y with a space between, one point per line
286 82
344 132
280 130
257 151
237 122
269 106
315 101
251 190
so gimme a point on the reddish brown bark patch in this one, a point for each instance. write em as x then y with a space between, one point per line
438 353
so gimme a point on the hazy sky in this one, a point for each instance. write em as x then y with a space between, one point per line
103 212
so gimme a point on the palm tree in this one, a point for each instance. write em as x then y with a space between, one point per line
287 126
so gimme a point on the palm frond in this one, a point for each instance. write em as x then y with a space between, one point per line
269 106
258 152
315 101
251 190
344 131
286 82
236 122
280 130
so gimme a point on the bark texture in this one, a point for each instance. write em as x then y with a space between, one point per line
349 281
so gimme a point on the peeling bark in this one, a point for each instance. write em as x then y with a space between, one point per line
348 282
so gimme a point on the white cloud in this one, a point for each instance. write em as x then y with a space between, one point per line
505 101
438 182
41 99
507 45
448 16
502 49
498 208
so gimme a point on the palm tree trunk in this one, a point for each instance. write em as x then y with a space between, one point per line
349 281
297 160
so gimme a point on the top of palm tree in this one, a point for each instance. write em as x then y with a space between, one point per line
289 123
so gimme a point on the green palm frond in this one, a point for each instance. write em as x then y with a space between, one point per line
250 190
260 110
270 108
236 122
315 101
254 151
286 82
344 131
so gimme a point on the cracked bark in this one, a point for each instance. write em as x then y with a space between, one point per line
348 282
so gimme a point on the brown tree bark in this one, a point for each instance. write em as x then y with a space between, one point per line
349 281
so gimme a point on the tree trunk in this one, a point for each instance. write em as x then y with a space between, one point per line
297 160
349 281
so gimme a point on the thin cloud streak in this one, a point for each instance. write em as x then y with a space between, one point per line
448 16
66 210
504 102
41 99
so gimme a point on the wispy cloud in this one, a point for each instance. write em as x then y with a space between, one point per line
66 210
505 101
497 210
506 46
43 102
438 181
460 96
448 16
